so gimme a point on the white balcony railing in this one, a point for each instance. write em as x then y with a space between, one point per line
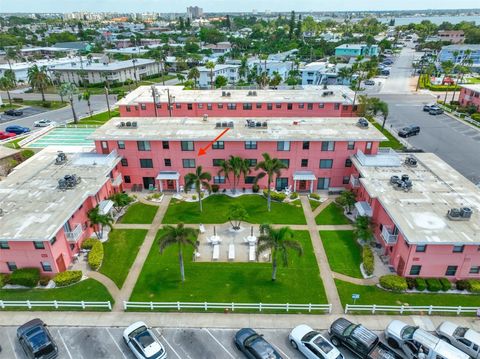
74 235
354 181
388 235
385 157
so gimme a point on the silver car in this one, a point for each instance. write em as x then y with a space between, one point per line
143 343
465 339
312 344
44 123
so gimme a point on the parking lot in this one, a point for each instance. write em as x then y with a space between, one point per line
27 111
107 342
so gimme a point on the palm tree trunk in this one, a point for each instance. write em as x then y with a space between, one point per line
180 260
75 120
89 107
445 99
9 98
274 269
269 199
42 91
383 123
200 200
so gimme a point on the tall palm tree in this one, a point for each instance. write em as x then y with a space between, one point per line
243 69
99 221
12 54
225 170
181 236
68 90
7 83
194 75
279 242
181 77
270 167
86 96
198 179
211 66
39 79
238 167
461 70
447 67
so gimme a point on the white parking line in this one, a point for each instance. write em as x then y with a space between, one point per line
281 351
64 344
13 347
226 350
116 344
166 342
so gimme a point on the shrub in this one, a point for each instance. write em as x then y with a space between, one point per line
474 285
446 284
215 188
202 194
411 282
393 282
420 284
462 284
68 277
276 196
3 279
315 196
368 260
44 280
88 243
28 277
95 257
26 154
433 284
294 195
194 197
255 188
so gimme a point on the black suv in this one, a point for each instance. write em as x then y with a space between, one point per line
408 131
36 340
14 113
253 346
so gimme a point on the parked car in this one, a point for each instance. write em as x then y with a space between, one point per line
16 129
254 346
465 339
5 135
142 342
14 112
369 82
408 131
387 62
427 108
44 123
36 340
435 111
359 340
385 72
312 344
413 340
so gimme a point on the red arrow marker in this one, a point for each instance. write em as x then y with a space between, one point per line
203 151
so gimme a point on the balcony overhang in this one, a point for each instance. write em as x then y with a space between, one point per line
168 175
363 208
105 206
304 176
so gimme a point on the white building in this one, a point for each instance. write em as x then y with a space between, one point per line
319 73
272 66
230 72
121 71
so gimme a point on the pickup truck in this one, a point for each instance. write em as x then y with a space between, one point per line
359 340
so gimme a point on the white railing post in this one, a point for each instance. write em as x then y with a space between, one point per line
206 306
310 308
233 307
55 304
178 305
151 306
329 308
2 305
287 307
29 305
260 307
125 305
430 308
459 310
346 309
110 305
374 307
83 304
401 309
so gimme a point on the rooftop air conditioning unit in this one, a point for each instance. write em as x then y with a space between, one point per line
411 161
61 158
362 123
68 182
249 93
224 93
254 93
229 94
466 212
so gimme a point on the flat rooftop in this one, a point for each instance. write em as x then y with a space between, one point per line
421 214
313 94
34 208
99 66
277 129
472 87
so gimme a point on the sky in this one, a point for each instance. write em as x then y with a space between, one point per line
165 6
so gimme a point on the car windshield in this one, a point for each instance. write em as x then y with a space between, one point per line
349 329
37 338
309 336
144 338
44 351
324 346
407 332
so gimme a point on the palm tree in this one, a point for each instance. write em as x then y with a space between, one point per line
243 69
238 166
68 90
39 79
211 66
12 54
194 75
461 70
225 170
181 78
278 241
198 179
447 67
271 167
86 96
364 228
181 236
99 221
345 73
7 83
347 199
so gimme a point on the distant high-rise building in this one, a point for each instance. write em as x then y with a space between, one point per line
194 12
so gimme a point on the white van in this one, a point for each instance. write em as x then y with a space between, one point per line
465 339
411 339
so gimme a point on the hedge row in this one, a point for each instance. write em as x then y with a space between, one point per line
276 196
95 257
68 277
315 196
88 243
393 282
472 285
368 260
426 84
27 277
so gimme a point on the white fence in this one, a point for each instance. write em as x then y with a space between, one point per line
54 303
35 134
423 309
228 306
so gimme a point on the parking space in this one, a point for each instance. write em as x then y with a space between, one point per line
107 343
64 136
27 112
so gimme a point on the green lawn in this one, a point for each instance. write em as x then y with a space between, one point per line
314 204
6 106
50 105
98 119
139 213
216 207
120 252
229 282
375 295
14 144
332 214
343 252
392 141
87 290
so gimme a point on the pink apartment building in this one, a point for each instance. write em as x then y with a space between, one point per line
158 153
43 223
470 96
416 235
174 101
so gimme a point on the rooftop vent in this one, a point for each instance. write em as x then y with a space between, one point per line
411 161
403 183
68 182
362 123
61 158
254 93
460 214
224 93
250 93
229 94
327 93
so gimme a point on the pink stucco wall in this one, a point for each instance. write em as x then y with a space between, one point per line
181 109
469 98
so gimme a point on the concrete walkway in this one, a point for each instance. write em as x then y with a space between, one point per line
322 206
136 267
107 282
358 281
131 226
325 271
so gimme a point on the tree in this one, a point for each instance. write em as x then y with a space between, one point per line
198 179
7 83
12 54
211 66
181 77
194 75
39 79
120 201
243 69
86 96
181 236
279 242
237 166
236 215
99 221
291 25
345 73
364 228
270 167
347 199
447 67
68 90
221 81
276 79
221 60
